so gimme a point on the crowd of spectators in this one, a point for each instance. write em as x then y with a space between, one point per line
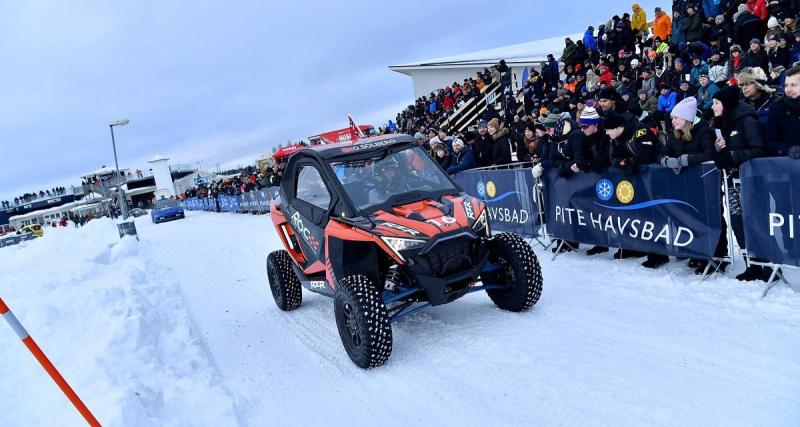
634 92
249 179
34 196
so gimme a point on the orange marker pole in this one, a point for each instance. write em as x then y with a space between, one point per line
46 364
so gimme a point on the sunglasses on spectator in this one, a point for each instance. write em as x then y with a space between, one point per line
745 84
586 126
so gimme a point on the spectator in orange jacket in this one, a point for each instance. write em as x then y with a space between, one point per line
662 26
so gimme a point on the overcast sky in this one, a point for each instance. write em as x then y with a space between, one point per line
215 82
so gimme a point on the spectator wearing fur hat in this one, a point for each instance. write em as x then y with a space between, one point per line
647 102
735 63
753 82
440 153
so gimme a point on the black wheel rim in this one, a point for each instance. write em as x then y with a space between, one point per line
273 284
351 323
505 275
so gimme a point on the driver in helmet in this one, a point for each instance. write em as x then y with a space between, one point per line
389 180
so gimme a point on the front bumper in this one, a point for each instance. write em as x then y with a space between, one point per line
448 265
168 217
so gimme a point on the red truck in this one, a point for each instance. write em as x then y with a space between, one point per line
340 135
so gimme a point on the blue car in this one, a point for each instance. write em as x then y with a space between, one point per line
166 210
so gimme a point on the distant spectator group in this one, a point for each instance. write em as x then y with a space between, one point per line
34 196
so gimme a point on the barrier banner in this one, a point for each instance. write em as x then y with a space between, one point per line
224 203
654 211
771 209
508 195
263 200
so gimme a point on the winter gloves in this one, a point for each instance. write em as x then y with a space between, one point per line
794 152
673 163
684 160
538 170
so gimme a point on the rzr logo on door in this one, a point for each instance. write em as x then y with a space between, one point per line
304 232
317 284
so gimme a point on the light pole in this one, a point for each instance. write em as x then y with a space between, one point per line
123 204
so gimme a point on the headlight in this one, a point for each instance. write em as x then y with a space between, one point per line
398 244
481 225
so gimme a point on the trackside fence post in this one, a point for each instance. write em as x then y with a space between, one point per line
46 364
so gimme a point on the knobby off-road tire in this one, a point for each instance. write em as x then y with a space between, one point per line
284 284
362 321
520 273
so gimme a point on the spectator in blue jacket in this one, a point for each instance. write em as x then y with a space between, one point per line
667 100
711 8
589 42
705 95
463 158
698 67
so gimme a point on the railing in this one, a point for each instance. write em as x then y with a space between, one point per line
468 113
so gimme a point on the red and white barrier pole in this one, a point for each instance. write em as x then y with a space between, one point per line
46 364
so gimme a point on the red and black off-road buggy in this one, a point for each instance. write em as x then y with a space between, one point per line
379 227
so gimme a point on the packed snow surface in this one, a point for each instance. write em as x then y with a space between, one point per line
180 329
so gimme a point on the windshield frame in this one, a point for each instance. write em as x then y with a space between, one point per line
396 199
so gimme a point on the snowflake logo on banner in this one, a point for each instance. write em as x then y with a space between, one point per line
604 189
481 189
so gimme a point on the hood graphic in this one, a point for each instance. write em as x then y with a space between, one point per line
427 218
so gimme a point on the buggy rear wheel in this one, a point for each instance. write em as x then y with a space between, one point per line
283 283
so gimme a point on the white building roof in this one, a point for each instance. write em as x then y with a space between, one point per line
521 53
158 157
103 171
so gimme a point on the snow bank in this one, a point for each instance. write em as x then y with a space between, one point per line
114 323
181 329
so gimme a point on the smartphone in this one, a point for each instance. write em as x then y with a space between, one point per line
719 133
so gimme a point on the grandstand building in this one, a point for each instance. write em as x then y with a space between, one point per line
433 74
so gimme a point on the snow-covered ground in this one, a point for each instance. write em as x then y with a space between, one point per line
180 329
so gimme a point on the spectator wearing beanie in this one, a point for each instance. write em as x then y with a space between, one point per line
741 141
462 158
706 92
689 143
594 153
741 135
756 56
501 152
